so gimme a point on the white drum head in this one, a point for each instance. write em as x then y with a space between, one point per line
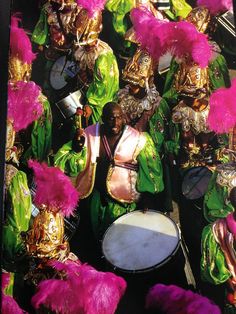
139 241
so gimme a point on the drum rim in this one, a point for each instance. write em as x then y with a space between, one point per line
156 266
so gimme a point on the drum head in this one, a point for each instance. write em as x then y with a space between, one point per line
195 182
139 242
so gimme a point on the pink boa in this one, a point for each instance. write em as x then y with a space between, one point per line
216 6
222 114
84 290
91 6
54 188
23 104
20 44
175 300
181 39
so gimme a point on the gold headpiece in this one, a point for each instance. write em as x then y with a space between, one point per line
87 29
139 69
18 70
46 238
200 17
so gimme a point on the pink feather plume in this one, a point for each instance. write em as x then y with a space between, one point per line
84 290
216 6
54 188
175 300
181 39
8 304
91 6
222 114
23 104
20 44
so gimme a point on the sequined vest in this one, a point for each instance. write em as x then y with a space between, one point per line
121 180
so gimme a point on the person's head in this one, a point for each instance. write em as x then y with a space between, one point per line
113 118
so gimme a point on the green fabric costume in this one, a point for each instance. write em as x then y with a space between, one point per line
218 76
149 180
216 204
104 85
41 136
105 81
17 220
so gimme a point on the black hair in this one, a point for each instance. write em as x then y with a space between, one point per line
232 197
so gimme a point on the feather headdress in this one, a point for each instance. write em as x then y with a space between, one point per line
23 104
216 6
92 6
181 39
20 44
83 290
8 304
222 114
173 300
54 188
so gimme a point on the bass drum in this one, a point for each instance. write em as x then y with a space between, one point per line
143 246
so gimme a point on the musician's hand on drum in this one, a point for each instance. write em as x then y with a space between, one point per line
78 140
87 111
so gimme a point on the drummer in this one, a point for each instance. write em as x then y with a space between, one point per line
116 168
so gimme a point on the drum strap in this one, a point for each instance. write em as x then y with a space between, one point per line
126 165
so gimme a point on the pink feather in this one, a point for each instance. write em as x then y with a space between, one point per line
5 280
216 6
20 44
8 304
92 6
181 39
23 104
175 300
84 290
222 114
54 188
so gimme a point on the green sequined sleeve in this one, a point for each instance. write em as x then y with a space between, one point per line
119 8
213 265
219 73
40 33
169 93
150 174
41 135
70 162
180 8
105 84
215 203
17 216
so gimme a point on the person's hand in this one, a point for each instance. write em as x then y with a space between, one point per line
78 140
87 111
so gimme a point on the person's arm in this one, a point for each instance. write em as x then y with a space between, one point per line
219 73
70 159
213 265
105 84
17 218
40 33
150 176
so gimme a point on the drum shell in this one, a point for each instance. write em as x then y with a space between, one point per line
168 271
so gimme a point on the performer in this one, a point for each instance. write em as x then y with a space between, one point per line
146 111
218 263
98 75
21 57
112 154
187 90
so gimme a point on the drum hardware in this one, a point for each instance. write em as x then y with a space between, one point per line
62 71
226 20
68 105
